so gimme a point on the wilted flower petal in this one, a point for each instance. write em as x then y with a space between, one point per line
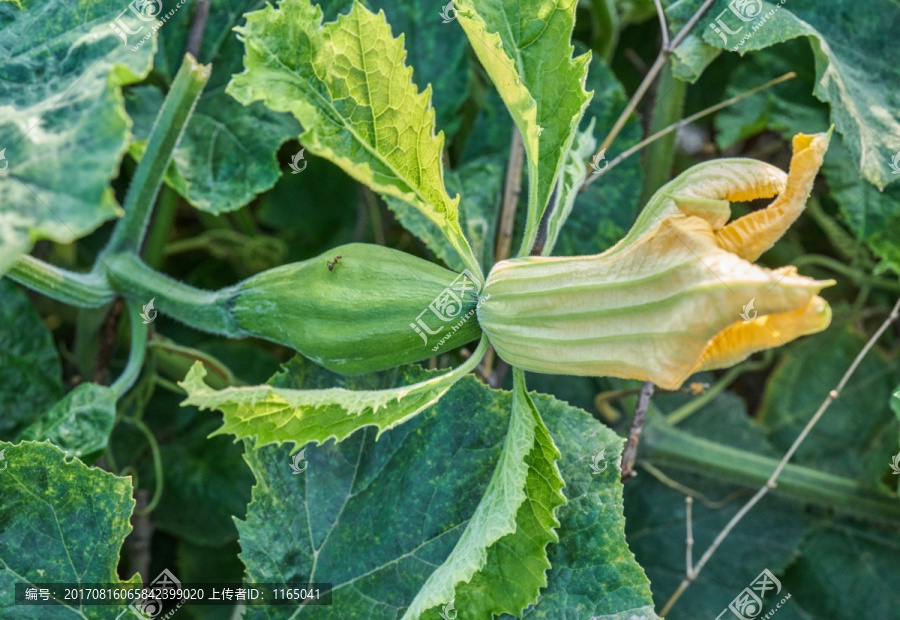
667 302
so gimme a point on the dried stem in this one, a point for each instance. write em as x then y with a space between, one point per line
770 484
198 26
511 191
686 121
637 426
657 66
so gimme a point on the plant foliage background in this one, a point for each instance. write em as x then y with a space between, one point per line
376 518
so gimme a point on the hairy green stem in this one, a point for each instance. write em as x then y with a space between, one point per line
84 290
129 232
664 445
207 311
136 355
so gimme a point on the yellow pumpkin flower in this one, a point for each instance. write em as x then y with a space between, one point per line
678 294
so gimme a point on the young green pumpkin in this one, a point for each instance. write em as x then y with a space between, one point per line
371 309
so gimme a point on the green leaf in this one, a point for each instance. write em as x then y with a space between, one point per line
347 84
80 423
63 129
277 414
873 216
480 184
769 536
438 54
30 371
525 48
604 212
63 522
789 108
858 435
856 64
499 562
226 155
824 580
573 175
207 474
417 487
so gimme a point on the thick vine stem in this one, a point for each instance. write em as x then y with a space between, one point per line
129 232
207 311
83 290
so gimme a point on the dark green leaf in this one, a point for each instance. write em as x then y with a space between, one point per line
857 62
857 436
376 518
80 423
30 372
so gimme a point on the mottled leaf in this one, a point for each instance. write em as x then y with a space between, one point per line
857 62
63 522
63 128
80 423
271 414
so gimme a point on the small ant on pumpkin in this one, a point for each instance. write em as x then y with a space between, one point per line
334 262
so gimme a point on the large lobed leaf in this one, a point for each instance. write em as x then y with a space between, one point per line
498 564
63 128
857 64
348 85
375 518
278 414
63 522
525 48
